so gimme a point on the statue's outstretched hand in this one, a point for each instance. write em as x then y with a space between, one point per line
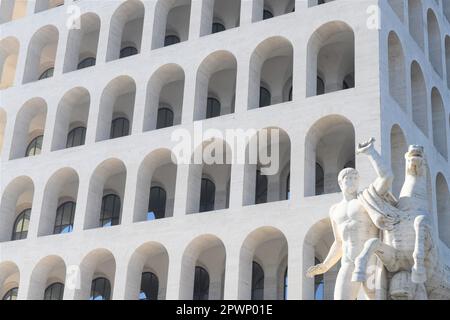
316 270
365 147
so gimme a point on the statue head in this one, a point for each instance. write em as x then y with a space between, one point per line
348 180
415 160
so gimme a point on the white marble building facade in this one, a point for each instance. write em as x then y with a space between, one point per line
332 74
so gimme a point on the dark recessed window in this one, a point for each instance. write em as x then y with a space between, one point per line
120 127
320 183
128 51
290 94
217 27
165 118
34 147
170 40
288 187
149 286
201 284
64 218
85 63
47 73
100 289
285 292
20 228
212 108
257 282
265 98
261 188
156 204
319 285
320 86
11 294
207 195
350 164
76 137
110 212
267 14
54 291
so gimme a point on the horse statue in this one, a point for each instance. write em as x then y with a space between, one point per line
410 250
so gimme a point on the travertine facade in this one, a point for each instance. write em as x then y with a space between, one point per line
337 72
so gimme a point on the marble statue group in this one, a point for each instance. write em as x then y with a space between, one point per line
387 247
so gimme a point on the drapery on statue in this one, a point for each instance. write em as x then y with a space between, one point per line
407 247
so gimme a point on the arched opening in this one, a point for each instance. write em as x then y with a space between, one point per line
42 5
399 8
41 56
434 42
71 119
155 191
329 148
399 147
221 15
29 129
209 173
439 123
165 91
416 27
125 33
17 201
59 203
47 279
216 79
271 67
316 246
172 23
82 43
12 9
443 208
203 269
116 109
106 195
397 70
331 59
419 98
262 265
97 272
147 273
446 6
2 128
9 280
9 51
268 9
267 168
447 58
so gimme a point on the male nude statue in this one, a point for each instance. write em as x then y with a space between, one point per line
353 225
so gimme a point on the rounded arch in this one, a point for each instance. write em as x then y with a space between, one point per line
17 196
97 263
165 87
271 63
447 55
416 24
330 142
126 28
41 53
419 98
268 246
118 97
148 257
317 243
399 147
216 74
9 277
443 208
158 166
397 70
438 116
434 42
12 10
47 271
29 123
3 119
62 186
208 252
108 178
73 111
330 56
9 52
82 43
